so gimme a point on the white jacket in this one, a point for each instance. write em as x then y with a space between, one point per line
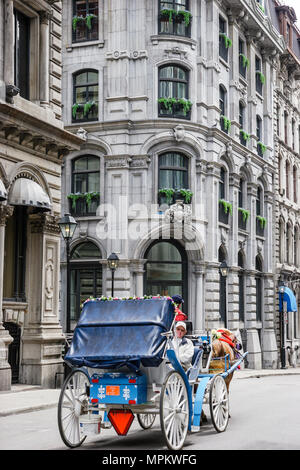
184 349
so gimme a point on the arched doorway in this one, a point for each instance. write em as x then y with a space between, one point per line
166 270
86 277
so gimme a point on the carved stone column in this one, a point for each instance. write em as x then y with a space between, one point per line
43 337
8 42
137 269
5 338
44 57
199 315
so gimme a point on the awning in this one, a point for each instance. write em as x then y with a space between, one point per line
3 192
26 192
289 298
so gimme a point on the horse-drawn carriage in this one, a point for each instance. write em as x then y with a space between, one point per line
124 365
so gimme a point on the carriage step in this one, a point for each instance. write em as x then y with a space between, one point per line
195 428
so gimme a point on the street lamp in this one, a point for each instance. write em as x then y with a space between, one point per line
67 225
113 263
223 268
282 311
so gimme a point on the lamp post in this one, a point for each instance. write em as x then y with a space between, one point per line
282 311
67 225
223 268
113 263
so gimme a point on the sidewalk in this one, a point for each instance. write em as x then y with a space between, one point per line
27 398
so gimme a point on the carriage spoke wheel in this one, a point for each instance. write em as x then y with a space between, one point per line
174 410
72 403
219 403
146 420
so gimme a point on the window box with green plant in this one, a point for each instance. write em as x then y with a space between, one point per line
85 111
244 137
85 28
170 195
84 203
261 149
225 208
225 124
178 107
260 225
243 216
243 64
180 16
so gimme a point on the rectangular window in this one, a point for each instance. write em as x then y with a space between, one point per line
242 58
259 75
223 50
85 20
171 21
22 53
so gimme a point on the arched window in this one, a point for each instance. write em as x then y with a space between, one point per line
260 220
242 209
171 21
259 208
259 287
287 179
85 20
174 92
166 270
86 278
173 174
241 286
85 96
223 107
295 182
85 195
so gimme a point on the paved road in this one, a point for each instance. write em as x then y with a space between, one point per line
265 414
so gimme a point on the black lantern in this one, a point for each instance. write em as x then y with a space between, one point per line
67 225
113 263
223 269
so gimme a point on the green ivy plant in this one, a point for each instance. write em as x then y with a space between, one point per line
262 78
262 221
168 192
262 147
226 206
226 39
169 103
89 19
261 7
75 20
76 107
245 214
245 60
227 123
187 194
88 106
181 15
245 136
89 196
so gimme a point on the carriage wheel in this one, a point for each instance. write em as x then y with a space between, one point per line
219 403
146 420
174 410
73 400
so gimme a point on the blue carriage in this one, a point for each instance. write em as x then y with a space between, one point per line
124 365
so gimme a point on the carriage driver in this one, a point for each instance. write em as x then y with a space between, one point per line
184 347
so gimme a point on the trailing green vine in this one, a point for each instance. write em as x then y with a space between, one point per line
262 78
89 196
76 107
245 214
226 206
75 20
173 15
89 19
88 106
227 40
262 221
245 136
262 147
227 123
168 193
187 194
187 16
245 61
169 103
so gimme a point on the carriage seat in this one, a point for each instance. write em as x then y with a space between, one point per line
193 371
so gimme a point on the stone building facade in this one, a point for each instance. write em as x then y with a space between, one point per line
287 164
32 144
169 101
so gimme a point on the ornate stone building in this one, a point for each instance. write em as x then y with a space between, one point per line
172 96
32 144
287 164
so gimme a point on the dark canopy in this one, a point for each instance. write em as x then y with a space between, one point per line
114 333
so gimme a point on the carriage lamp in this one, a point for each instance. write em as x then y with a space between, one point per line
113 263
67 225
223 269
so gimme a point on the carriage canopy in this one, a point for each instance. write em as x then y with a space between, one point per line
115 333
